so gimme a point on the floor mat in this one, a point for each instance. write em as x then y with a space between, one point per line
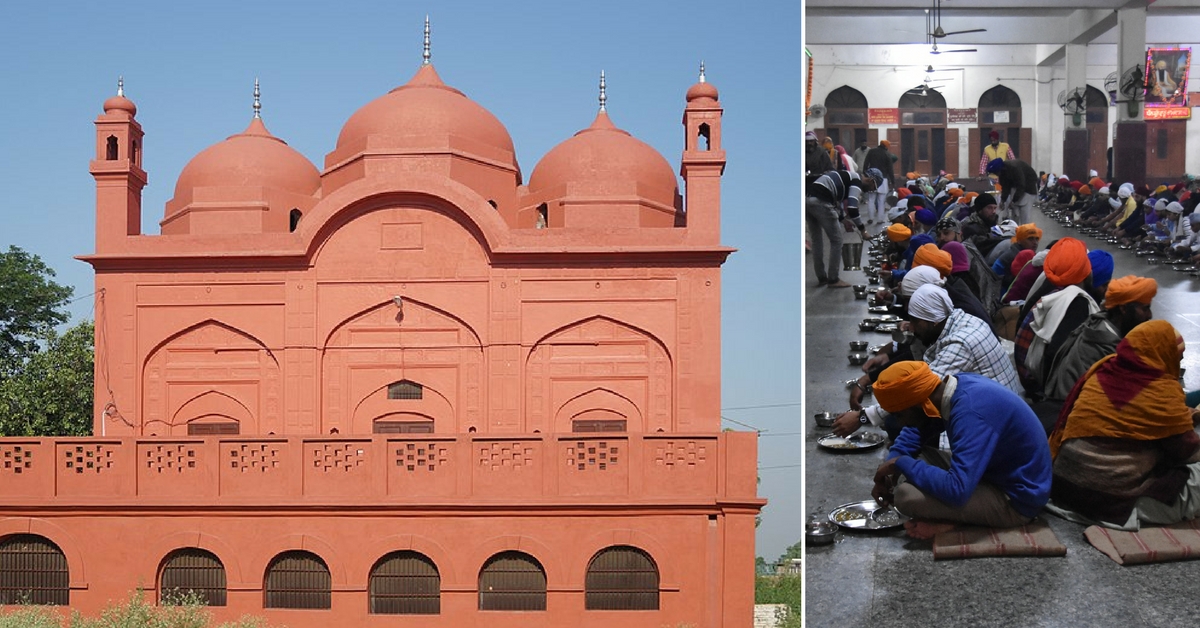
1180 541
1033 539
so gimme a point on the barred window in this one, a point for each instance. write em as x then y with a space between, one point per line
404 389
512 581
33 570
297 579
621 578
405 583
192 570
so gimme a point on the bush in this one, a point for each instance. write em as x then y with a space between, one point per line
178 611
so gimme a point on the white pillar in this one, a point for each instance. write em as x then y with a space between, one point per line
1131 50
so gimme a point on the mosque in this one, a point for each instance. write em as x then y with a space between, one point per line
409 382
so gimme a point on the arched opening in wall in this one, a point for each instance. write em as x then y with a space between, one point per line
599 410
403 423
213 425
1097 126
846 120
404 583
1000 111
135 156
543 219
211 413
926 145
512 581
493 204
703 136
33 570
621 578
110 148
294 219
192 573
405 389
297 579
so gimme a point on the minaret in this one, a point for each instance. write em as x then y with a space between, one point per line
117 169
703 161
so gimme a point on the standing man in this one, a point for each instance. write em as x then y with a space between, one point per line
1018 187
824 213
995 150
880 159
860 154
816 159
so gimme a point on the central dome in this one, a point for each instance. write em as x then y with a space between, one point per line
425 107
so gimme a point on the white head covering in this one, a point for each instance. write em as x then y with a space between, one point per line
1093 174
1174 207
1040 258
899 210
1104 190
918 277
952 185
1007 228
1114 202
930 303
1161 205
1125 191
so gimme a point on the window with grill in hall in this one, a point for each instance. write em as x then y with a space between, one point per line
192 571
297 579
33 570
621 578
512 581
405 583
404 389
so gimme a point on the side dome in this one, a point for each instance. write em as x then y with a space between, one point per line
603 157
253 157
425 108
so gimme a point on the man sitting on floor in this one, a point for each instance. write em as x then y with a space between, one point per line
956 342
1125 448
998 474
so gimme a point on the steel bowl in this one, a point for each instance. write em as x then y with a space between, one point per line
824 419
857 359
858 345
886 328
820 533
866 326
874 281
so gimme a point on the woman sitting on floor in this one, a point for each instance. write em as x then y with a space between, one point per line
1124 448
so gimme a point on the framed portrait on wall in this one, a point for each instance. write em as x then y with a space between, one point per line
1167 76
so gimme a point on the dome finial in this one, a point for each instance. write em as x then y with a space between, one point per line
120 85
702 71
425 54
603 94
257 102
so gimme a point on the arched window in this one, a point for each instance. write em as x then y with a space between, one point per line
999 97
33 571
703 136
845 97
543 217
405 389
404 583
110 149
512 581
294 219
621 578
297 579
134 155
192 570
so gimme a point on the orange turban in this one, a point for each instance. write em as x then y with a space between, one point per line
899 233
1130 289
1067 263
906 384
931 255
969 196
1028 230
955 192
913 175
1096 183
885 143
903 193
1085 190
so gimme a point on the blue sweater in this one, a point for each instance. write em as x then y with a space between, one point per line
994 437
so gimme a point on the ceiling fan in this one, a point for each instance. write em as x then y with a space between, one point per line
935 50
930 70
938 32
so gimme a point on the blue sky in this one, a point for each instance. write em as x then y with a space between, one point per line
190 67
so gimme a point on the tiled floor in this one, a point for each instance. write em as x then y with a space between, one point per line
880 581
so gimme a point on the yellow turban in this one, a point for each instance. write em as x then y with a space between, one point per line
1130 289
1027 230
907 384
899 233
931 255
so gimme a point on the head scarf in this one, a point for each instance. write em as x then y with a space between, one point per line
1194 219
899 233
1020 261
1130 289
827 142
906 384
1040 259
1027 230
931 255
810 136
899 210
948 223
1133 394
1160 205
1085 190
958 255
1067 263
994 166
926 217
918 277
1104 190
930 303
1174 207
1125 191
1102 267
1006 228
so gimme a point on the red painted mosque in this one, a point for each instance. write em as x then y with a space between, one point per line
409 382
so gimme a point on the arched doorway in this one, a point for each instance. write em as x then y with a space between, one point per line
1000 110
1097 127
846 119
925 144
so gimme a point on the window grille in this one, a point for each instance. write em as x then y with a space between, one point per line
405 389
297 579
512 581
621 578
193 570
405 583
33 571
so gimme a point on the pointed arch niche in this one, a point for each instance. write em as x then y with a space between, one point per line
1000 111
846 119
376 348
210 373
599 369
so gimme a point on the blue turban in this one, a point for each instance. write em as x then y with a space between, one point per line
995 166
1102 267
876 175
926 217
915 243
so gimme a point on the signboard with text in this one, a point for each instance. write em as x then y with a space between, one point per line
883 116
1168 113
962 116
